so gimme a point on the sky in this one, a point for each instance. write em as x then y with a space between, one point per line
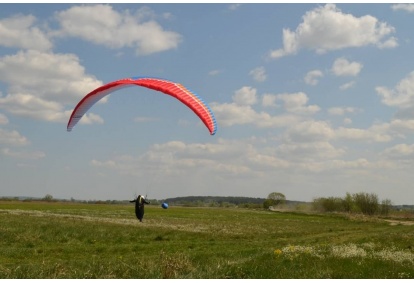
311 100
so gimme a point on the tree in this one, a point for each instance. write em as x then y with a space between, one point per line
348 203
386 206
48 197
274 199
366 203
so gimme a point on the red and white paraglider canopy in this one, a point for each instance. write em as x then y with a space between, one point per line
189 98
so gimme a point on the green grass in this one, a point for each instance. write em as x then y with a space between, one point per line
70 240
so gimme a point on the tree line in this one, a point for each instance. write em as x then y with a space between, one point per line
365 203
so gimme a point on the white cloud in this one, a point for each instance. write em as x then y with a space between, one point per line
245 96
258 74
340 111
233 7
269 100
23 154
401 126
12 138
372 134
240 112
404 7
401 150
402 96
297 103
229 114
327 28
19 32
312 77
347 121
243 158
346 86
303 153
41 84
101 24
31 106
176 157
87 119
321 131
3 119
292 102
309 131
397 127
214 72
342 67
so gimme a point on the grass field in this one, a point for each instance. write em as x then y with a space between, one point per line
72 240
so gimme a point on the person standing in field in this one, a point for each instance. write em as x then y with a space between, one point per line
140 202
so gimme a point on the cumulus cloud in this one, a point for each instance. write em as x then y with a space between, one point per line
403 7
258 74
327 28
342 67
20 31
245 158
309 131
229 114
321 131
12 138
241 112
40 84
372 134
302 153
400 151
401 156
269 100
177 157
312 77
401 96
245 96
101 24
340 111
297 103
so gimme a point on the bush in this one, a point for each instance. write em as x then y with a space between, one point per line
366 203
360 203
330 204
385 207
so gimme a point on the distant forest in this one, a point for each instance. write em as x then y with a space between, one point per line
180 201
213 199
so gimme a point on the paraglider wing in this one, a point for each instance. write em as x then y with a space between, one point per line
189 98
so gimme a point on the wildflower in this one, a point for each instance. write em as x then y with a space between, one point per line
395 255
347 251
277 252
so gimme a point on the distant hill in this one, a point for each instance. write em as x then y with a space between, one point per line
214 199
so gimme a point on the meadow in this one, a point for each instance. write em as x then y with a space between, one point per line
74 240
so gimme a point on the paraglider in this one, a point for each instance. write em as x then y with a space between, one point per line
176 90
140 202
164 205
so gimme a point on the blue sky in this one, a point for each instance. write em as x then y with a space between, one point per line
311 100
